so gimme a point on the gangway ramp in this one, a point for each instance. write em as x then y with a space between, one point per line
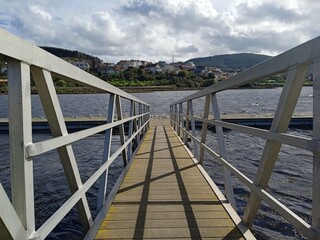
167 195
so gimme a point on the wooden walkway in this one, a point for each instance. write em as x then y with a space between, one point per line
165 196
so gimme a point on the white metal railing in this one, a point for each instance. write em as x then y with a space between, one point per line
295 63
23 58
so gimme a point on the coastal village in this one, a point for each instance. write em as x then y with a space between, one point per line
134 74
140 73
98 66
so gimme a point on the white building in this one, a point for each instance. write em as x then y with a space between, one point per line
125 64
84 65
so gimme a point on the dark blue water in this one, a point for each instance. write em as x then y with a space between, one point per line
290 181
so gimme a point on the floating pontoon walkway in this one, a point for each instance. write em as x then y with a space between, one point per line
166 195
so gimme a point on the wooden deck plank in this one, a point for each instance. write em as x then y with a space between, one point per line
165 196
158 223
164 233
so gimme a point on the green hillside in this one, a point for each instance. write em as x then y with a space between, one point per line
65 53
233 61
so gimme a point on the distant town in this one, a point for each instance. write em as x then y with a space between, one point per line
142 73
102 68
192 74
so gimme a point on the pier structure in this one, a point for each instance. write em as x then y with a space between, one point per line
166 194
163 191
299 120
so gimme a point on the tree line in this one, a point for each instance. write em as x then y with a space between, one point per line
141 77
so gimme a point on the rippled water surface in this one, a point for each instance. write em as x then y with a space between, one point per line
290 182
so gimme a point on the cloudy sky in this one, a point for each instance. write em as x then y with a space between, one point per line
161 29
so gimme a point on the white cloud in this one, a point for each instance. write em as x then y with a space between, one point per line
158 29
41 12
95 31
269 26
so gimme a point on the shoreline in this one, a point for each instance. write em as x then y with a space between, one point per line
135 89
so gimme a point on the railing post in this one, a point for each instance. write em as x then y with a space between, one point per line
280 123
316 139
181 121
148 117
187 123
145 119
223 151
171 116
129 151
174 118
121 130
103 180
193 128
139 123
135 123
204 127
20 132
177 119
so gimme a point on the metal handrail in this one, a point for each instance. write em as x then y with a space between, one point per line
295 63
25 59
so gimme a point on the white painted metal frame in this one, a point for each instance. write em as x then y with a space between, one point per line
223 151
204 126
193 128
296 63
106 153
17 217
185 136
181 120
20 134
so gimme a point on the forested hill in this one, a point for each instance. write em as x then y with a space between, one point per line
233 61
65 53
